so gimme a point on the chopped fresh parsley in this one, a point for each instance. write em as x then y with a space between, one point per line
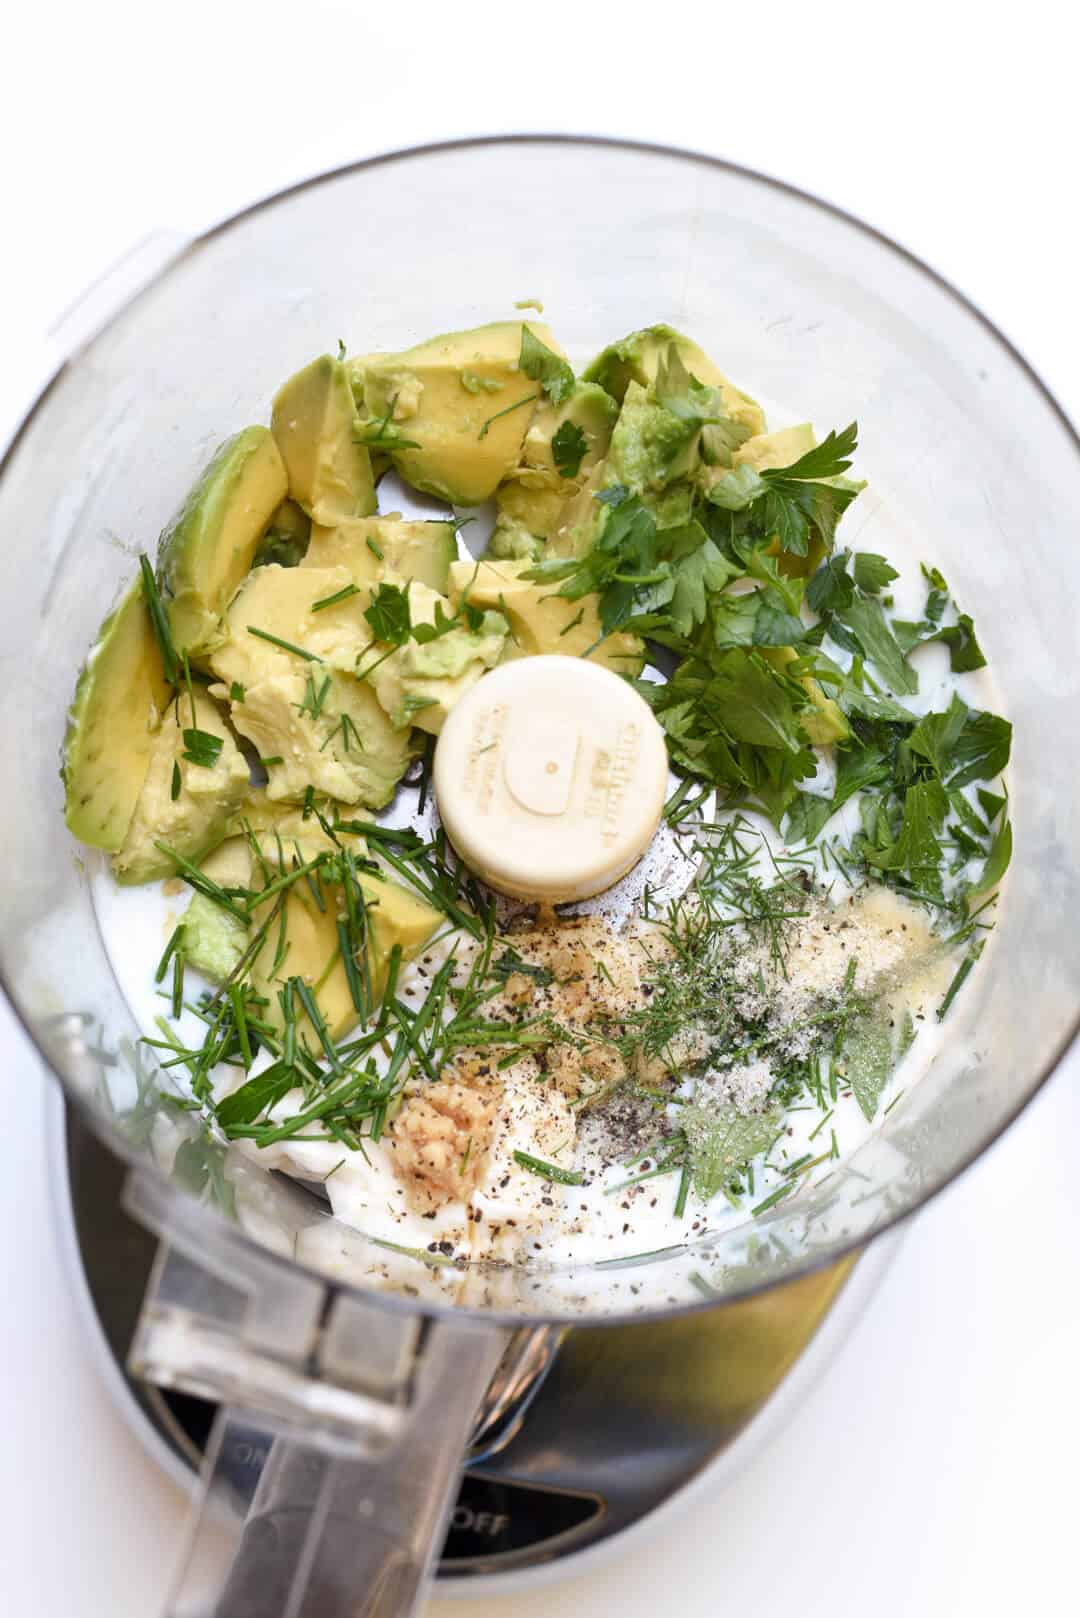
569 447
485 427
201 747
389 615
540 363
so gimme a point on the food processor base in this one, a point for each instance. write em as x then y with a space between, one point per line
627 1419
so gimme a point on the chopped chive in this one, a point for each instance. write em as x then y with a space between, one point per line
174 790
683 1192
176 940
528 399
835 1150
548 1171
288 1014
315 1018
339 595
373 548
236 1000
352 976
819 1127
170 663
962 974
178 983
898 1097
267 763
778 1196
282 943
190 691
202 884
286 645
651 1174
286 881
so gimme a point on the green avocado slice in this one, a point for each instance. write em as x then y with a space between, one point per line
453 412
210 545
314 424
186 804
119 699
373 547
636 358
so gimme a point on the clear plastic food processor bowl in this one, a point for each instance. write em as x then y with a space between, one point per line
372 1390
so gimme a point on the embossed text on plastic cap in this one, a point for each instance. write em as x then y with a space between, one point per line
550 778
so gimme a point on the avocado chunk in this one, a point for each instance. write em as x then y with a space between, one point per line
650 446
781 448
350 751
370 548
637 358
582 518
394 917
461 401
421 681
315 425
214 941
282 825
283 604
210 545
287 538
541 621
563 444
300 703
185 804
119 699
570 438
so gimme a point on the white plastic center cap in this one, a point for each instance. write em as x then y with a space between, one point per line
550 778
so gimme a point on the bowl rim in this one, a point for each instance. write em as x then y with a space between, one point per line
845 1250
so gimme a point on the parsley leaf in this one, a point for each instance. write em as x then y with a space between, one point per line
831 589
389 615
789 503
865 618
543 366
569 447
829 459
424 634
916 851
201 747
997 861
872 572
935 737
965 653
982 749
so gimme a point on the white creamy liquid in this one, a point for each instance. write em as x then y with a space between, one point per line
530 1217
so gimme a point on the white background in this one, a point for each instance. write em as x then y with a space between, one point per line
933 1472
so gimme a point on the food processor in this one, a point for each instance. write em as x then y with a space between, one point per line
336 1391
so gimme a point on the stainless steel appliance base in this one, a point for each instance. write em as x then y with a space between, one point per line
627 1418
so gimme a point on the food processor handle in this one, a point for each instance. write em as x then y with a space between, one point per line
348 1534
343 1423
